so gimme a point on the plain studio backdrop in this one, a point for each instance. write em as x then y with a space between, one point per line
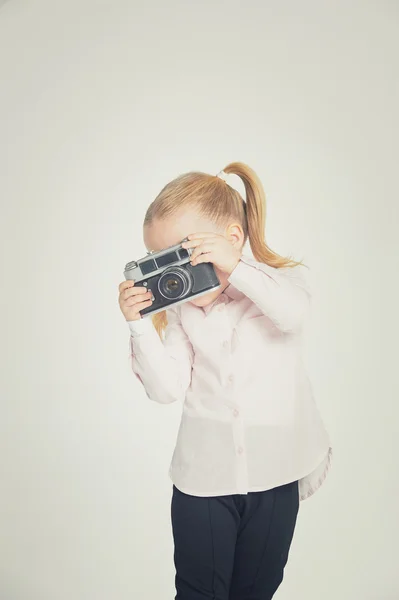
103 103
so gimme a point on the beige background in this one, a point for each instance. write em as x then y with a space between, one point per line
102 103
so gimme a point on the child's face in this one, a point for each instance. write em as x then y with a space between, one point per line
169 232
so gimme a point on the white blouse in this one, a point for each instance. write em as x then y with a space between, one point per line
249 421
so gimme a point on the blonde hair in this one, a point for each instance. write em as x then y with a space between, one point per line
214 199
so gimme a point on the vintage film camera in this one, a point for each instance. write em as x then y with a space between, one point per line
171 278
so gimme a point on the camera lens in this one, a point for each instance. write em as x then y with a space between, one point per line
174 283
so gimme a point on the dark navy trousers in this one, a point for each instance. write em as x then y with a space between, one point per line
232 547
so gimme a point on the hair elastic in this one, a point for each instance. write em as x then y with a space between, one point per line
222 175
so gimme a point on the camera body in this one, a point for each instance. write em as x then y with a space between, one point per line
171 277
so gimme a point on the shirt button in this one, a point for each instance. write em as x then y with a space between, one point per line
235 412
240 449
231 378
225 344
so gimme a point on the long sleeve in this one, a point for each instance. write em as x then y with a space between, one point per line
162 366
281 294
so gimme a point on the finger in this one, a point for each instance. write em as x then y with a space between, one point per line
195 243
192 243
126 284
203 258
145 305
203 248
142 307
132 291
144 295
136 300
196 236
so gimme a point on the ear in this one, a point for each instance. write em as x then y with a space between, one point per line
234 233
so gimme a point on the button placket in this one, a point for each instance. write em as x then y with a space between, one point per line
225 343
241 468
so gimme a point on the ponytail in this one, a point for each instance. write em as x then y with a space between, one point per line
256 217
160 321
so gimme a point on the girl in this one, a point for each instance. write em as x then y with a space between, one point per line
251 443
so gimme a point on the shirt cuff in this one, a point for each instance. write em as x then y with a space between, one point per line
244 269
140 326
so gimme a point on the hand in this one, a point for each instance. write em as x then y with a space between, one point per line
214 248
133 299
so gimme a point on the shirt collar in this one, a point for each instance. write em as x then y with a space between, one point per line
229 293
